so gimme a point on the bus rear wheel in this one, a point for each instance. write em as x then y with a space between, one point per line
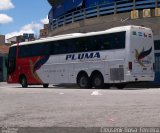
83 81
97 81
24 82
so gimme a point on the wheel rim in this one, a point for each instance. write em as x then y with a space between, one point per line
97 81
83 82
24 82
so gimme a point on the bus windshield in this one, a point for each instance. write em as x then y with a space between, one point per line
11 60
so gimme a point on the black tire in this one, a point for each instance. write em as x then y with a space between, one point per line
120 86
24 82
83 81
97 81
45 85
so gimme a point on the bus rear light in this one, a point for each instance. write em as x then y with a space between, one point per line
130 65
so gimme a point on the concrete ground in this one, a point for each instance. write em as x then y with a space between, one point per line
60 106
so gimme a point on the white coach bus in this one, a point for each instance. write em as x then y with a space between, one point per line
115 56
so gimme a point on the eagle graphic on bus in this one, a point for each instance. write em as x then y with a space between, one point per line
142 55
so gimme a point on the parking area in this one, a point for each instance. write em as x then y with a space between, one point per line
60 106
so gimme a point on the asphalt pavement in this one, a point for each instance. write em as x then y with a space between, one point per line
60 106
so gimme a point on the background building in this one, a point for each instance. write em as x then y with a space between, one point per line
68 16
2 39
71 16
45 31
22 38
14 39
3 55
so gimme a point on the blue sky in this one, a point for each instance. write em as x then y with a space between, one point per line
22 16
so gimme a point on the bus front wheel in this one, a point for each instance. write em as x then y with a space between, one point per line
24 82
45 85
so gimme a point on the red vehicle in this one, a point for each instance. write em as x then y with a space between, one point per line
22 69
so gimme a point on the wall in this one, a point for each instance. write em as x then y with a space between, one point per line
2 39
109 21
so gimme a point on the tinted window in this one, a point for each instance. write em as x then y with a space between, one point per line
11 60
34 50
12 52
71 47
157 44
59 47
82 44
112 41
95 43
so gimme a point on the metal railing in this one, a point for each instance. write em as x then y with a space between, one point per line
101 10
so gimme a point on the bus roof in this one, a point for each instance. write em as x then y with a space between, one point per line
75 35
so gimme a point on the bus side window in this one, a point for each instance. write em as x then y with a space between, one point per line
119 40
106 42
56 49
60 47
71 47
95 43
113 41
81 44
52 48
